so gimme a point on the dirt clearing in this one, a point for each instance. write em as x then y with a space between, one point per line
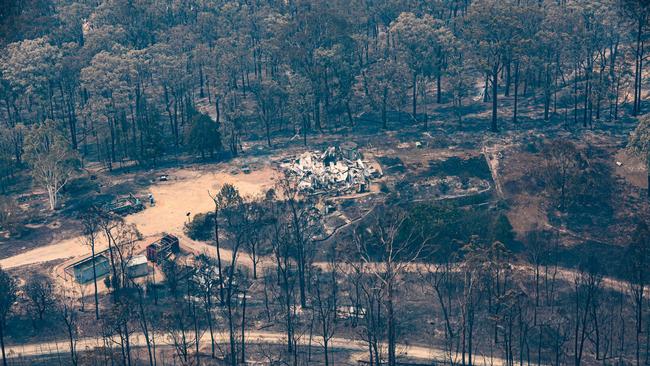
186 192
189 193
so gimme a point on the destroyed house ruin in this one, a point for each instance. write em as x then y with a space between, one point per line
339 170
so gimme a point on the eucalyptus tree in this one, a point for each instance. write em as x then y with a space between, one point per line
9 295
300 104
639 143
387 248
424 44
491 29
593 43
636 261
269 95
384 84
51 160
204 136
304 224
234 211
91 227
637 13
32 68
40 294
171 82
110 82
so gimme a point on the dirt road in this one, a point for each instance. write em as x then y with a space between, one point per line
252 337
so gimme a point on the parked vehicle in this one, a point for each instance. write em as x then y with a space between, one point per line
124 206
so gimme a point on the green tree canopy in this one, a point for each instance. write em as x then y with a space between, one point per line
204 137
51 160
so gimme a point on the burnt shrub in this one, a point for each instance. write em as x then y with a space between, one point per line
475 166
446 227
201 227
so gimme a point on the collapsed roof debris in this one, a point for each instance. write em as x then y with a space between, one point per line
332 171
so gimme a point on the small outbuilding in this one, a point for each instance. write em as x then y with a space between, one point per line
163 248
137 267
82 271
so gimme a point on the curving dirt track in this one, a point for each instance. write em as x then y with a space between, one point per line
252 337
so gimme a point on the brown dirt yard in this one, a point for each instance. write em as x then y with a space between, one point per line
186 192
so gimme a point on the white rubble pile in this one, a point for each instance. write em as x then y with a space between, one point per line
329 171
